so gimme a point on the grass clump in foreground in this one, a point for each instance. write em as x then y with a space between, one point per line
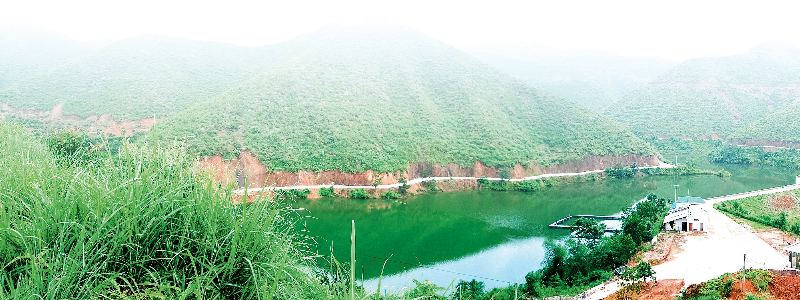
143 222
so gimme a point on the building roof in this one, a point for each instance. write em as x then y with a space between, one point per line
690 199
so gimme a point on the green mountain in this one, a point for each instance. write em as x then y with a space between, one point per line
26 52
141 77
717 95
782 125
592 78
361 98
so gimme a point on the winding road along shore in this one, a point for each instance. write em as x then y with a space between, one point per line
420 180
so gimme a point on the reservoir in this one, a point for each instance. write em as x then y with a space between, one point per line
494 237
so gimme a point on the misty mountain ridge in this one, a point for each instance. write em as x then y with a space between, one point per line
714 95
28 51
592 78
140 77
367 98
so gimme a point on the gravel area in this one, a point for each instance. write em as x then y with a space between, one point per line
719 251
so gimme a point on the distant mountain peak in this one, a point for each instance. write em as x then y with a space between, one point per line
778 49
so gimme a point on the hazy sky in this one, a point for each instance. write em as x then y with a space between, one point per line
676 30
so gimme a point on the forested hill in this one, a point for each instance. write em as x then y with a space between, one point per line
26 52
140 77
714 95
782 125
360 98
592 78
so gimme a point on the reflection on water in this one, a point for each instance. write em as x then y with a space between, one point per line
496 235
501 265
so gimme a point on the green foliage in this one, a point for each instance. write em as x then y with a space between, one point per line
361 98
141 77
573 267
504 172
683 170
294 193
643 222
620 172
589 229
706 298
390 194
430 185
760 209
756 155
717 288
358 194
469 290
144 220
327 192
532 185
781 125
760 278
403 188
425 290
750 296
640 272
70 146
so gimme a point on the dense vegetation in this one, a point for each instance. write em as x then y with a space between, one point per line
27 52
783 125
579 264
533 185
140 78
361 98
733 154
713 95
80 223
777 210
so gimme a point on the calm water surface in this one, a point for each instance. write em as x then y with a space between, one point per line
495 237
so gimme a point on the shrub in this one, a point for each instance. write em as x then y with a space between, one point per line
391 195
430 185
293 194
358 194
403 189
70 146
327 192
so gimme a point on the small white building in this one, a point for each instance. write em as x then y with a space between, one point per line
687 214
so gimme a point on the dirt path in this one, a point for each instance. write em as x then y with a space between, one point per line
719 251
709 255
779 189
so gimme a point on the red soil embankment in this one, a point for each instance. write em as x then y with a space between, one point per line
248 166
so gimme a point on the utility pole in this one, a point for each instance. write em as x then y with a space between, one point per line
744 271
676 192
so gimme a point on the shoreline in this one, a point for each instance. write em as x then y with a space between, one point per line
662 165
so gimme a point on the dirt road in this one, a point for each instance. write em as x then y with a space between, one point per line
719 251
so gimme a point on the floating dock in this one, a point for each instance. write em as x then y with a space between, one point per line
558 224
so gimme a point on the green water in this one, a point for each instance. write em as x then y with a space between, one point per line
495 237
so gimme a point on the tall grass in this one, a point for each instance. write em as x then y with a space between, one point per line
146 223
143 222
